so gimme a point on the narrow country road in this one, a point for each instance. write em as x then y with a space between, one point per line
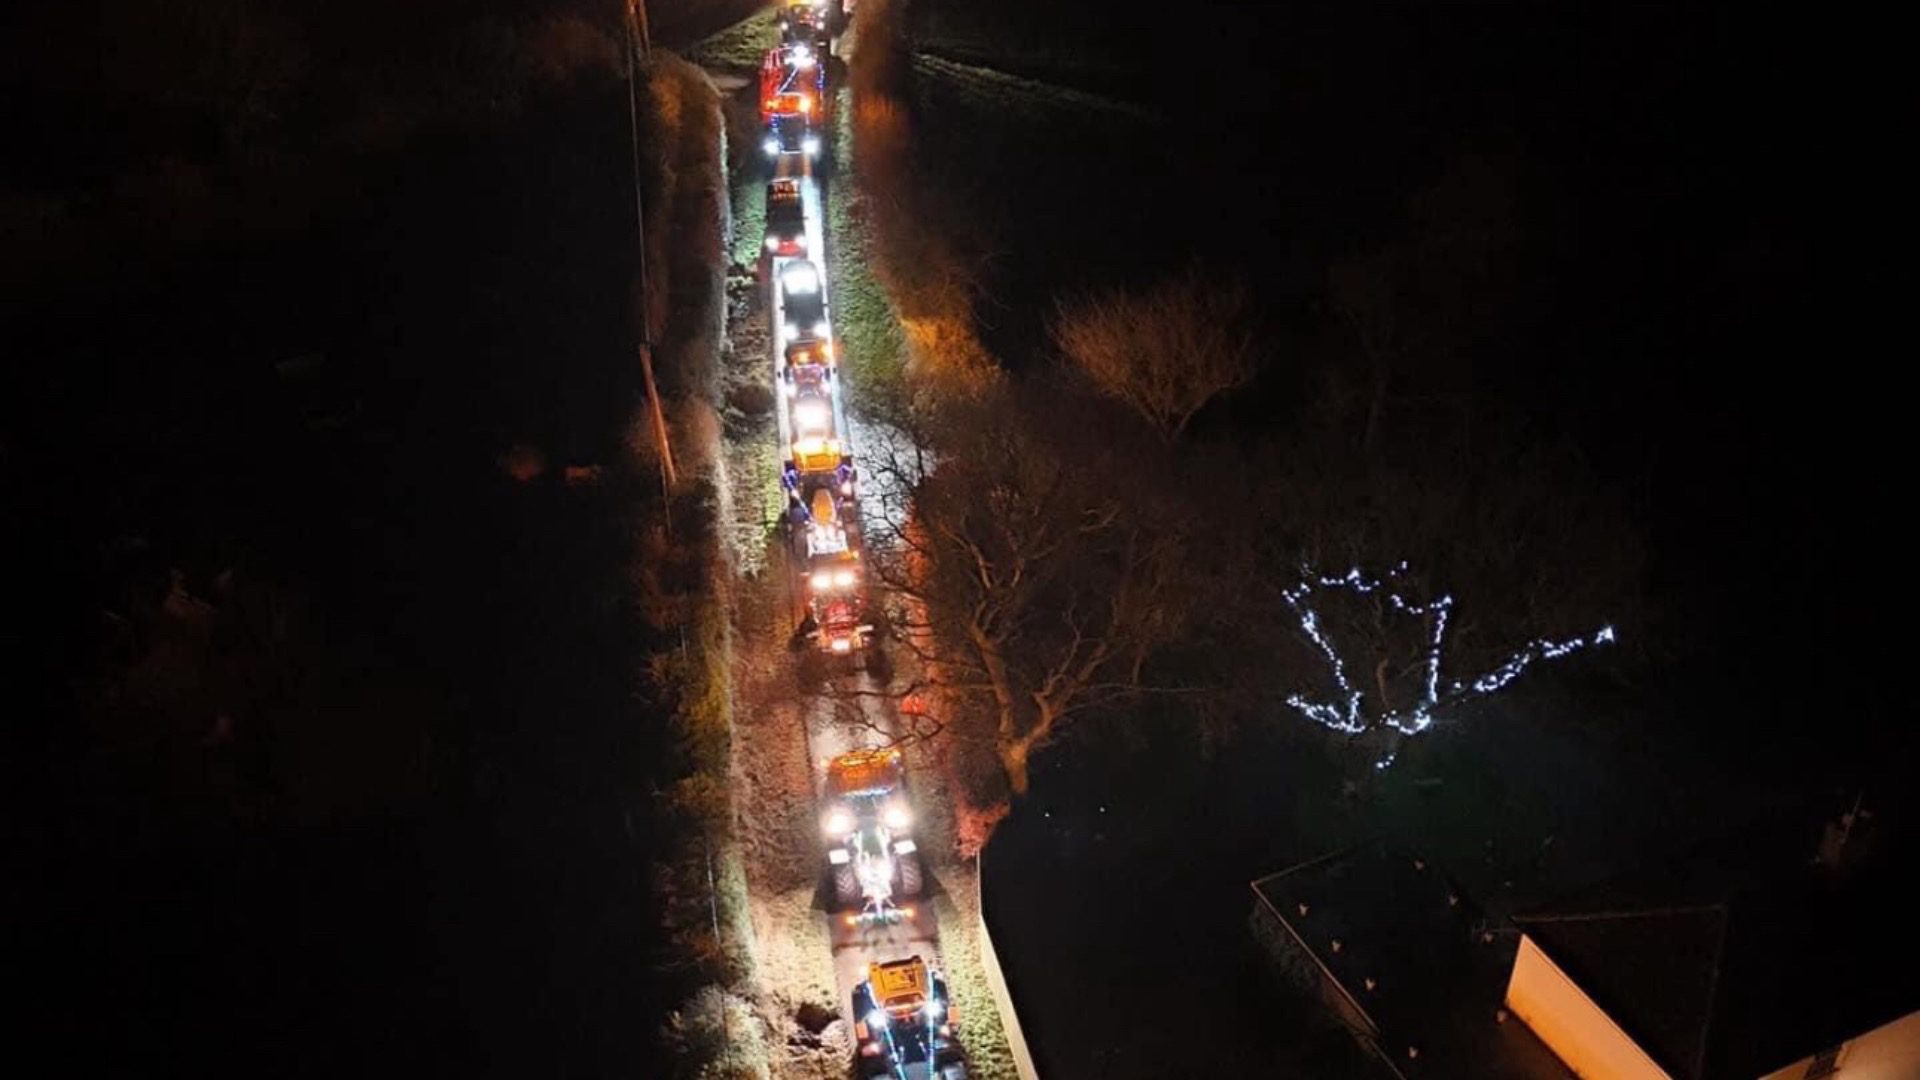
795 712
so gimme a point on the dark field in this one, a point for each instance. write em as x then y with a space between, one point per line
413 837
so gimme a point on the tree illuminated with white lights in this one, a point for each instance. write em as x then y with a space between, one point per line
1355 709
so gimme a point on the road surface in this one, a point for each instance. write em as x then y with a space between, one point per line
846 707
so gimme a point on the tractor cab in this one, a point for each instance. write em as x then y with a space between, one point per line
807 352
842 627
830 540
786 220
868 825
792 84
903 1020
804 379
803 303
813 453
802 21
859 781
813 423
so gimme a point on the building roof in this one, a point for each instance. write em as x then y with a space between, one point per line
1438 978
1743 955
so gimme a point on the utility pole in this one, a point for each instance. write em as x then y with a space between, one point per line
639 42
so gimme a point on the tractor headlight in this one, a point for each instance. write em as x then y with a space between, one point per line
771 145
897 816
773 243
842 645
821 581
810 146
843 578
837 823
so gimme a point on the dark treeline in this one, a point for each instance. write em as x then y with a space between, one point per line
336 756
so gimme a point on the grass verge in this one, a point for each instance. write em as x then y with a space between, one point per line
740 47
864 317
681 580
912 230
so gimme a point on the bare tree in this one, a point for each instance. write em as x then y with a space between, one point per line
1164 353
1040 589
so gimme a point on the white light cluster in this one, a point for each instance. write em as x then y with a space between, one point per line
1346 713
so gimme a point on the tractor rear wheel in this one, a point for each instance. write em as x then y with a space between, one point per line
846 886
910 872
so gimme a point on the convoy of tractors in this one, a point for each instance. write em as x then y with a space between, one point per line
903 1020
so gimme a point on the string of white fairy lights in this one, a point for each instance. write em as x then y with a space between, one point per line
1346 713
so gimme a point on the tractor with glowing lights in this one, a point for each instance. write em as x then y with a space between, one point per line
808 21
793 83
803 353
803 303
786 220
813 423
903 1022
790 138
833 576
822 505
867 822
811 415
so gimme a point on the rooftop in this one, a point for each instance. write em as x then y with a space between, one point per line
1744 954
1416 956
